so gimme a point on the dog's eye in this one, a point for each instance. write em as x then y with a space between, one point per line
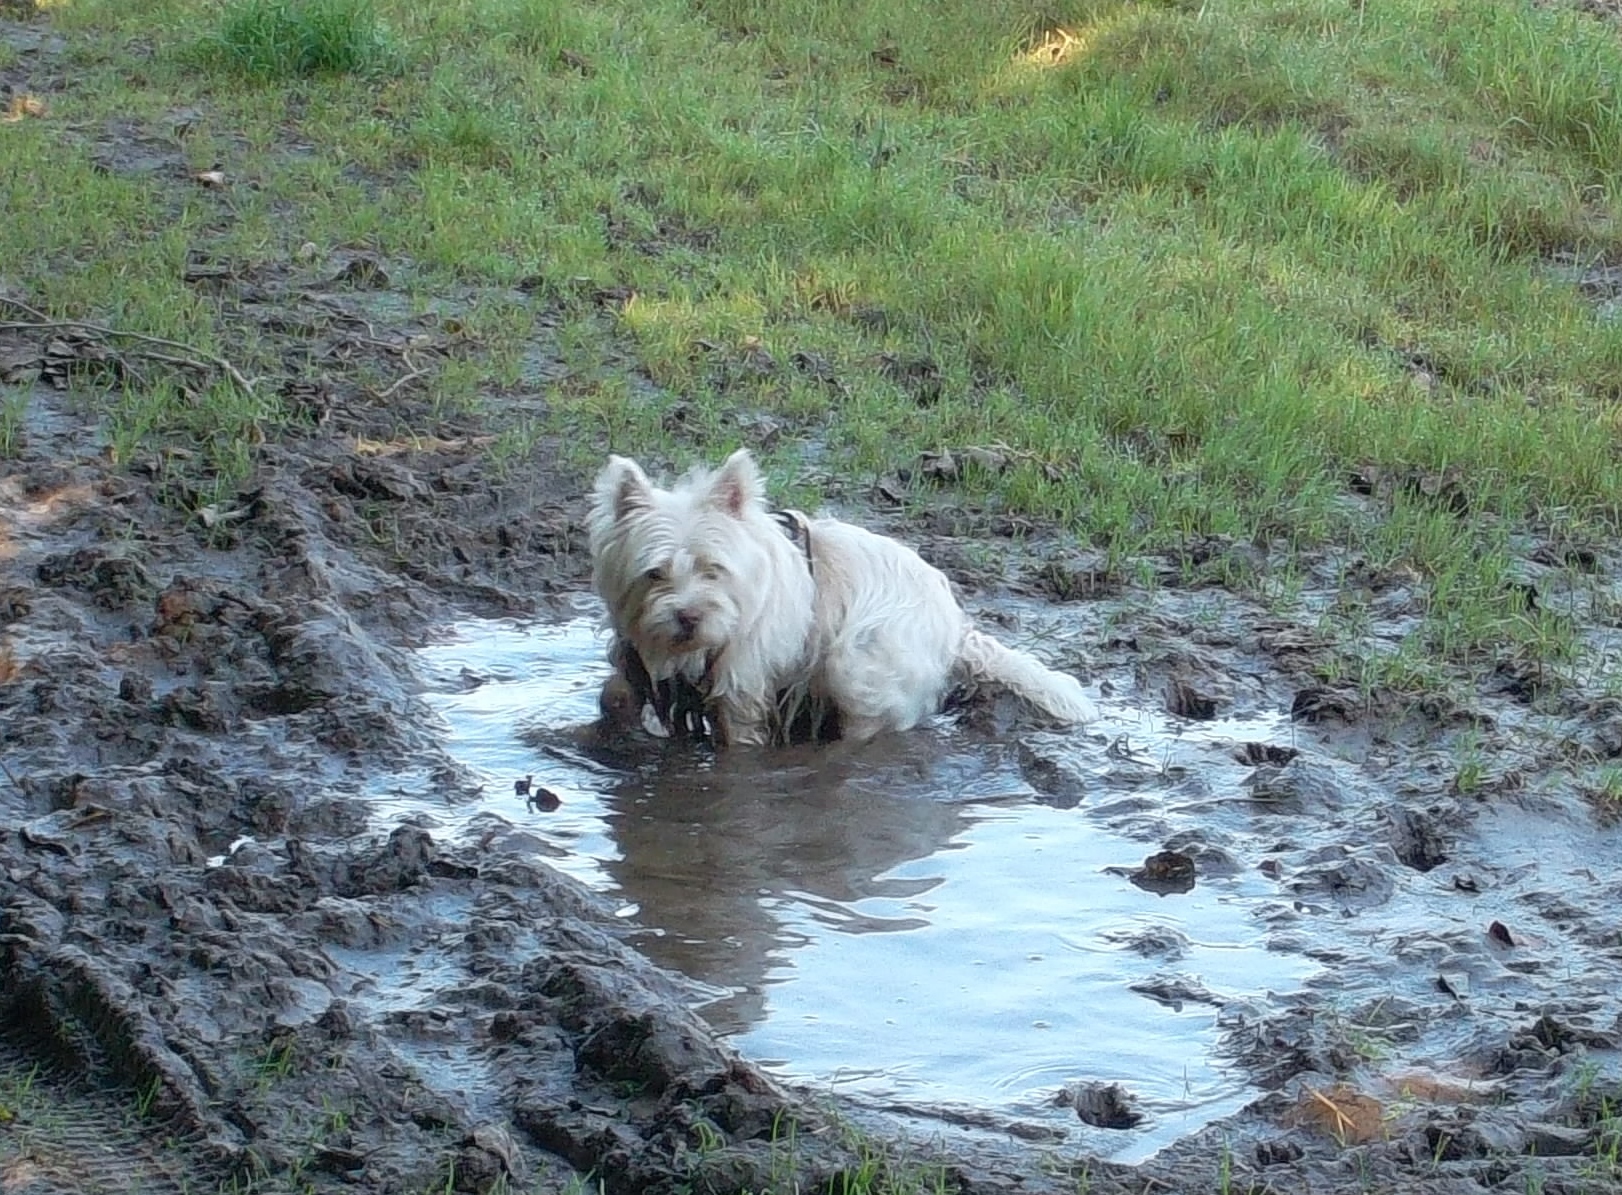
713 572
654 574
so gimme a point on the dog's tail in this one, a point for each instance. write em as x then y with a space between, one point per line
1054 693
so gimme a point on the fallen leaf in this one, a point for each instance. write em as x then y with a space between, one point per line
213 515
212 179
21 105
543 800
1348 1115
365 447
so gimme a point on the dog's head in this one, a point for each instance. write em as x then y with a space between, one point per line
680 569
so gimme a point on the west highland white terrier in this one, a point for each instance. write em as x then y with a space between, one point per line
771 618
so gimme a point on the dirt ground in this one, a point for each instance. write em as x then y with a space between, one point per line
193 696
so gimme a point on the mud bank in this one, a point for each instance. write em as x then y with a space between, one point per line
195 919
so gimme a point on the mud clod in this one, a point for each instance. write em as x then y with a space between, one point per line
1185 700
1165 873
1103 1105
1252 754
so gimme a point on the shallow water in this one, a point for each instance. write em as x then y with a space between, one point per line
904 922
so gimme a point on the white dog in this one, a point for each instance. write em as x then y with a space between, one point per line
706 586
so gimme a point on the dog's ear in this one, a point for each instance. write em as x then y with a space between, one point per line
737 484
621 488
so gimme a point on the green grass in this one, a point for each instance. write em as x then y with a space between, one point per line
282 39
1193 263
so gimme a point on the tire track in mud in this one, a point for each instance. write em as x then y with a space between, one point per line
59 1136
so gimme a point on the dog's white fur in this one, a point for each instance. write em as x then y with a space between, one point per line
704 583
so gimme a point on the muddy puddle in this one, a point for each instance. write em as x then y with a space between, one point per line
912 924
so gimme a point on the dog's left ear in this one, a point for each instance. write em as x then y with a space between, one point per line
737 484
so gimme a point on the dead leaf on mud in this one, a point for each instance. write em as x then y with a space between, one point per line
950 465
365 447
11 668
1350 1116
215 515
210 179
23 105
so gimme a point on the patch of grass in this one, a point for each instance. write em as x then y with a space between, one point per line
274 1064
284 39
13 410
1604 790
16 1094
1197 268
1471 771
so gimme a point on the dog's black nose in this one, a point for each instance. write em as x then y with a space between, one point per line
687 620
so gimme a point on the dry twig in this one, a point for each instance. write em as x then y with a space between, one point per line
410 377
38 321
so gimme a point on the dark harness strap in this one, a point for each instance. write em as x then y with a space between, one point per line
798 528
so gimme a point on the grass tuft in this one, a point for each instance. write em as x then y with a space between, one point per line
284 39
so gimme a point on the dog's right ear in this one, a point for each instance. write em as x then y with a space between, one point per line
621 488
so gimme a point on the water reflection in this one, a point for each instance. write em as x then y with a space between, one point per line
711 853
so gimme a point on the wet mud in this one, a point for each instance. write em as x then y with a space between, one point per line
203 920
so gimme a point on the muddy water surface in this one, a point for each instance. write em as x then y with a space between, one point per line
910 923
